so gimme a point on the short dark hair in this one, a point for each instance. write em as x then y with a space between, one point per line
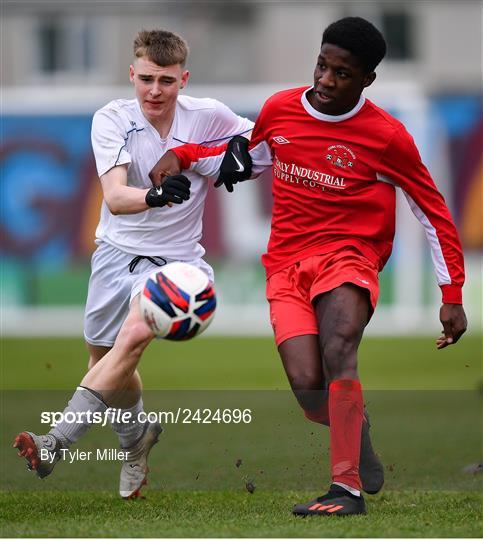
161 47
358 36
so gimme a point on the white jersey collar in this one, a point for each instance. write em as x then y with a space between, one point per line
329 117
140 113
147 123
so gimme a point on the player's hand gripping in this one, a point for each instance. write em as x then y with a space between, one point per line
453 319
168 165
236 165
172 190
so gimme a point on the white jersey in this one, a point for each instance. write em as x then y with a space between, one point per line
122 135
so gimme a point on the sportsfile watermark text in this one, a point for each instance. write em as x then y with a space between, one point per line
177 416
107 454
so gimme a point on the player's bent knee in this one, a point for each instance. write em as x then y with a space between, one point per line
341 344
344 368
134 338
305 382
340 356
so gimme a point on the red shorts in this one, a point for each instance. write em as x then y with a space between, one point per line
291 291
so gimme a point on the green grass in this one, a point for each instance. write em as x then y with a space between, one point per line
245 363
426 413
236 514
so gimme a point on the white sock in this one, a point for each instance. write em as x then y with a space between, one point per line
74 424
129 432
350 489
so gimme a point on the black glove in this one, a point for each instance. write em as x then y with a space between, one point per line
236 165
174 189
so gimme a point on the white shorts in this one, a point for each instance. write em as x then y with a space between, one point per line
112 286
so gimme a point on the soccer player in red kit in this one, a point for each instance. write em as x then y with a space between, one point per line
337 160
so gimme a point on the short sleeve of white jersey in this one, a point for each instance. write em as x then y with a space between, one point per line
108 141
225 124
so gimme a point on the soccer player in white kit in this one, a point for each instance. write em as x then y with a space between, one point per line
140 228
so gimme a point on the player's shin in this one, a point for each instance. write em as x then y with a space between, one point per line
78 416
129 424
346 411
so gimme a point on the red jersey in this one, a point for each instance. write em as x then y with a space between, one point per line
334 182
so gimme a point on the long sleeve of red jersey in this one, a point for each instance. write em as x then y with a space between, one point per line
207 160
401 164
196 157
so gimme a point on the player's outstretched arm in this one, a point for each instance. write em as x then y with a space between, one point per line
123 199
453 319
233 162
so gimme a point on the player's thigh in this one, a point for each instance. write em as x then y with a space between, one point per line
342 315
291 311
113 284
295 326
108 296
344 293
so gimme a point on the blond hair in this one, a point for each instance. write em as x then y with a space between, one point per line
161 47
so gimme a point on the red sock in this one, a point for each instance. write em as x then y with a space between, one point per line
346 411
320 415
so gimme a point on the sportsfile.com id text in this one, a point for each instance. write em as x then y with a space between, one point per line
177 416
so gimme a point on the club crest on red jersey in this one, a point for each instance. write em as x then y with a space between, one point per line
340 156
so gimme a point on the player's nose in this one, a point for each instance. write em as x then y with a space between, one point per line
155 89
326 79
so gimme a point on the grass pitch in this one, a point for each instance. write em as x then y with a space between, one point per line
236 514
426 414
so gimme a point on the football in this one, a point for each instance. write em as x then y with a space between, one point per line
178 301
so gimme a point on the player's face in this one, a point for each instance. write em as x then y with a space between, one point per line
157 87
339 80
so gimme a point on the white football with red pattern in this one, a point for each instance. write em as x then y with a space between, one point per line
178 301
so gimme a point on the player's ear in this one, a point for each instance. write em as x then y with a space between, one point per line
131 73
369 79
184 78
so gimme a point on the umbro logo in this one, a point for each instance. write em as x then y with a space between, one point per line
280 140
